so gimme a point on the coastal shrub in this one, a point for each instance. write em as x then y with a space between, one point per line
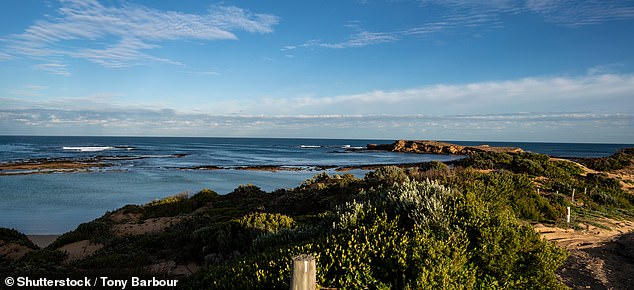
386 175
288 236
390 241
320 178
248 191
602 180
528 166
266 222
423 203
506 189
41 263
223 238
203 197
178 204
486 160
533 164
169 206
98 230
13 236
434 165
324 180
321 193
616 161
561 169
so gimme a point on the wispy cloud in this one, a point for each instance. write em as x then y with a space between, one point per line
363 38
201 73
53 68
4 56
135 29
454 15
575 13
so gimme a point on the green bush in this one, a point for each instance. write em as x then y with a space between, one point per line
392 240
617 161
166 207
504 189
387 175
13 236
266 222
98 230
248 191
203 197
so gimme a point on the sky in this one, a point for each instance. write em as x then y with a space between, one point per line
481 70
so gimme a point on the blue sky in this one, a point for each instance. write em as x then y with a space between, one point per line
538 70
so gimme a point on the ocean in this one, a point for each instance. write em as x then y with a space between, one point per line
148 168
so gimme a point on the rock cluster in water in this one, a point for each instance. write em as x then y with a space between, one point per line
435 147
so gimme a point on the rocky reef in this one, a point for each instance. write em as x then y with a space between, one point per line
435 147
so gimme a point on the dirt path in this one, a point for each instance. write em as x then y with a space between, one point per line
599 258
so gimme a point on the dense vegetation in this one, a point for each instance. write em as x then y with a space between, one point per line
617 161
466 225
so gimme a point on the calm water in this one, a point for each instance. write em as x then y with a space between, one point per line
56 203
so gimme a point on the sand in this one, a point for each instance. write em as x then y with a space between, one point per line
599 258
42 241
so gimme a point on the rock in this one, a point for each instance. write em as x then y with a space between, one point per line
435 147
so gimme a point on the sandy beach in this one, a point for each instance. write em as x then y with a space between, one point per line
42 241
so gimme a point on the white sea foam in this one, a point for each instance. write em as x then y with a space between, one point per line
310 146
87 148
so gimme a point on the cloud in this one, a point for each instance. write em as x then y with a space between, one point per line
562 127
363 38
575 13
442 16
604 92
122 36
4 56
53 68
589 108
608 93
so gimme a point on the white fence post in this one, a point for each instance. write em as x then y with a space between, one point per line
568 214
304 273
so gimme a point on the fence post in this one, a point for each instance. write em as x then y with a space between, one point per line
573 195
304 273
568 214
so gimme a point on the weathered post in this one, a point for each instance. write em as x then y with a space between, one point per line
568 214
573 195
304 273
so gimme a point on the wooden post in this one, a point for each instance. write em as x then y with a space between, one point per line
568 214
538 191
573 195
304 273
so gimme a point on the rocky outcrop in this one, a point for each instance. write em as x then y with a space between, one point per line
435 147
